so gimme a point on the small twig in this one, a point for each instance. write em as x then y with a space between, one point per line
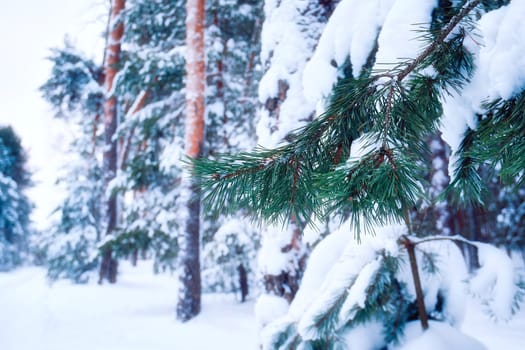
390 157
218 177
388 112
338 153
420 300
295 179
455 238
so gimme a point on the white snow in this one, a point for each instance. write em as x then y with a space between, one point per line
269 308
336 264
439 336
271 260
350 33
494 335
357 293
365 337
288 37
398 40
341 267
320 262
499 51
502 57
136 313
494 281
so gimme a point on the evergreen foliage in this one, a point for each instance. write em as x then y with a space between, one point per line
70 245
233 71
367 154
232 250
149 89
315 174
498 142
14 204
73 84
391 113
149 92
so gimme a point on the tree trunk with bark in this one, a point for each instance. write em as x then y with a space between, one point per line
108 267
189 303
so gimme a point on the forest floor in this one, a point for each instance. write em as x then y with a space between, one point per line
138 314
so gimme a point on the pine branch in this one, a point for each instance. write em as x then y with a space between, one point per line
439 40
311 175
413 65
497 144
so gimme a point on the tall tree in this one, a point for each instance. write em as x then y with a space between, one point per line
108 267
150 87
148 91
229 244
189 303
74 90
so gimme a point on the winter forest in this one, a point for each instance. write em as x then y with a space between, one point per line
277 175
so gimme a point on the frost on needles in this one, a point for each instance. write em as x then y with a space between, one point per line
365 156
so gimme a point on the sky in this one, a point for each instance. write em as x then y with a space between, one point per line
28 29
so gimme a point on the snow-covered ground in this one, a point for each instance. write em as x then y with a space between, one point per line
138 314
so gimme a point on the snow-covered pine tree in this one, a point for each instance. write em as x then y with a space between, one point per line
149 87
14 204
148 97
73 87
289 34
367 154
233 71
70 245
230 258
152 49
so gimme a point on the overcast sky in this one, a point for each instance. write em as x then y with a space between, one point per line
28 29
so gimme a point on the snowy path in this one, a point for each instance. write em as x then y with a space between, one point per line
138 314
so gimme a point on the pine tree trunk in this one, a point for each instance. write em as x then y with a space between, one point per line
189 303
287 283
243 282
108 267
